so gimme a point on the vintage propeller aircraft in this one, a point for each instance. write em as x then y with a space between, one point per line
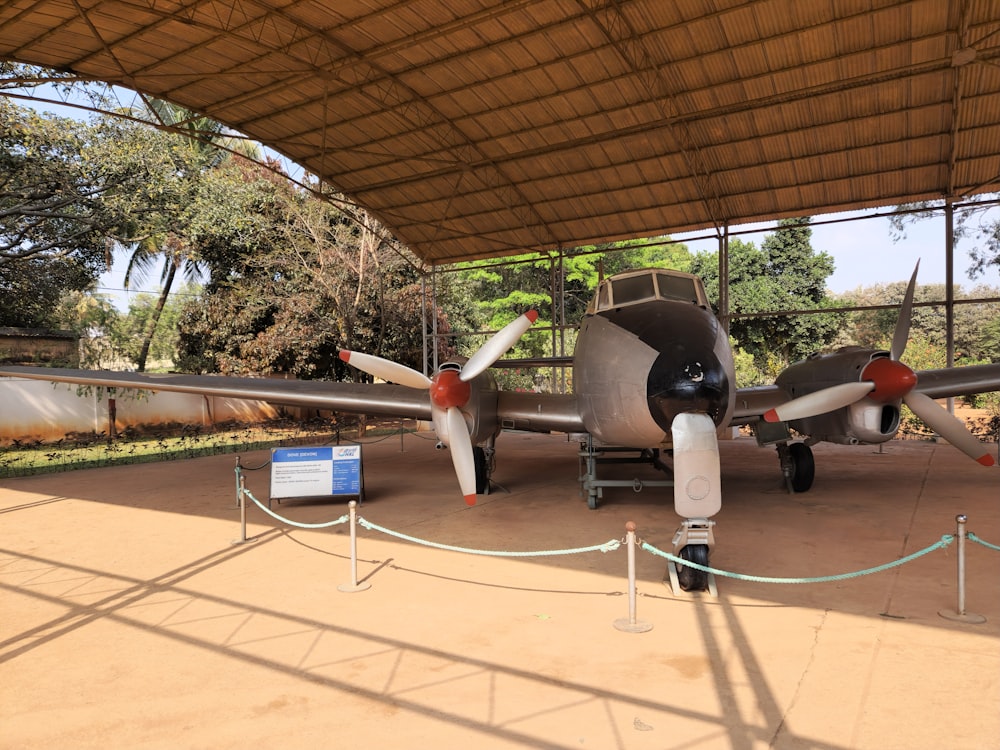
653 368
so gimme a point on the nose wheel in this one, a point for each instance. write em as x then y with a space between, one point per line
692 579
692 542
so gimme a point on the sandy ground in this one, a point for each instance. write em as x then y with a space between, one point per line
129 619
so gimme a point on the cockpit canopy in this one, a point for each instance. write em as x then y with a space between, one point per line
633 287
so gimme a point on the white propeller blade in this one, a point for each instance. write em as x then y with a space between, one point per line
497 344
461 454
386 369
948 426
902 333
820 402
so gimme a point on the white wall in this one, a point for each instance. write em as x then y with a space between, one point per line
38 410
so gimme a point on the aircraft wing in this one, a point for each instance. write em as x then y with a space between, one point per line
378 399
958 381
753 402
536 412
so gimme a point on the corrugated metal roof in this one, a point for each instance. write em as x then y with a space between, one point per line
476 129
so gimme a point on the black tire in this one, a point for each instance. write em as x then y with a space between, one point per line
690 579
482 475
803 466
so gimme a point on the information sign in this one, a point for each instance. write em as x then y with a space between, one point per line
324 471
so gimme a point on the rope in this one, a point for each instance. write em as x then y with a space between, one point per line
326 525
977 540
241 467
944 542
608 546
613 544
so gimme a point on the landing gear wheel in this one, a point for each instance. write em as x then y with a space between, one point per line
691 579
803 466
482 470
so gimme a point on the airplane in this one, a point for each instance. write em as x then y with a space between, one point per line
653 368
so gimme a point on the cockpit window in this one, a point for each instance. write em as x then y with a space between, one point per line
633 289
677 287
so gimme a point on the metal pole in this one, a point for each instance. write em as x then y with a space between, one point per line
353 586
239 473
242 491
960 614
949 305
961 520
631 625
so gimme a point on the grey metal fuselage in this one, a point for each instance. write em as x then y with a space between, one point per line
642 358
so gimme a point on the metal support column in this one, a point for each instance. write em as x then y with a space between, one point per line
949 285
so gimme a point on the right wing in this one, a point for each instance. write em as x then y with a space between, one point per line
533 412
378 399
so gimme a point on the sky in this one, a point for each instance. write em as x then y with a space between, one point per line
865 252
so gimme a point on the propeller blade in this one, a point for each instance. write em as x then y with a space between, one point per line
948 426
902 332
820 402
386 369
497 344
461 454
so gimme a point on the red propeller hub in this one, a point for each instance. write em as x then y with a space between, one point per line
447 390
892 379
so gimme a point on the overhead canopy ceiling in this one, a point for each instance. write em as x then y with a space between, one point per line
474 128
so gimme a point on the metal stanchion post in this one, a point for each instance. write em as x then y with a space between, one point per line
353 586
631 624
242 490
239 476
960 614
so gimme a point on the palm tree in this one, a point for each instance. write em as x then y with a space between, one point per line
210 147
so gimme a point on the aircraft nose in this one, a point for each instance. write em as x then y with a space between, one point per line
693 381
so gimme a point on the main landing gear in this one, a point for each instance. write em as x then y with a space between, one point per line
484 458
797 464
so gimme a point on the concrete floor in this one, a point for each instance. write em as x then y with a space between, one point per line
128 619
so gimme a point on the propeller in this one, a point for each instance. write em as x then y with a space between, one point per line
450 390
884 380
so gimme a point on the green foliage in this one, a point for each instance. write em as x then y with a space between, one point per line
297 283
502 291
31 288
784 274
977 334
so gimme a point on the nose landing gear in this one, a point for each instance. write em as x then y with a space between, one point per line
693 541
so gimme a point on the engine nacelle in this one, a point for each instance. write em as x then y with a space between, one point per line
480 412
864 421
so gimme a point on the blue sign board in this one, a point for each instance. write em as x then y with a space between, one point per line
323 471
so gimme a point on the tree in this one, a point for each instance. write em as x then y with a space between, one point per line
96 322
167 230
51 192
30 290
874 328
307 281
786 273
506 289
56 211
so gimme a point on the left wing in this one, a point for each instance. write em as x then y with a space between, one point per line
752 403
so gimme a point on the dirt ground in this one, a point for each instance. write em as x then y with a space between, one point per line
128 618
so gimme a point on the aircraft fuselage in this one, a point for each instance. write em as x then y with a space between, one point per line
650 348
